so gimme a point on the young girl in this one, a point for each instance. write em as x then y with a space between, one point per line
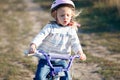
58 37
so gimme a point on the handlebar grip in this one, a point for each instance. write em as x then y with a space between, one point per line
26 52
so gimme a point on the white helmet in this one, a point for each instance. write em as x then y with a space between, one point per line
56 3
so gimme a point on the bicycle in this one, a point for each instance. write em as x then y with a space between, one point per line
55 71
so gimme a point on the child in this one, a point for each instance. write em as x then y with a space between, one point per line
58 37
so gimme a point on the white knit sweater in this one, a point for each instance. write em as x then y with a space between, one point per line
54 38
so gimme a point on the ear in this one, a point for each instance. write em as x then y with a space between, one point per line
54 14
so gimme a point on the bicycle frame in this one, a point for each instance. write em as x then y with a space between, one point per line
55 72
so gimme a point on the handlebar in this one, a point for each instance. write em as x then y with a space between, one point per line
41 54
50 56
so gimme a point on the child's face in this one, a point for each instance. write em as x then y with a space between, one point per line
64 15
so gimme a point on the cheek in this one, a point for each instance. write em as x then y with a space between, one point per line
59 18
70 19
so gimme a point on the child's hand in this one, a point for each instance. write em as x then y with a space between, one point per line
82 57
32 48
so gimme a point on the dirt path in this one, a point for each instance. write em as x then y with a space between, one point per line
80 71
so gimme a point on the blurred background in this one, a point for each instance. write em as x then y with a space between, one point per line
21 20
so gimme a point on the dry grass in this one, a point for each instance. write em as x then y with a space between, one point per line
108 42
14 26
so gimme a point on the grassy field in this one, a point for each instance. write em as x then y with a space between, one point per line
15 27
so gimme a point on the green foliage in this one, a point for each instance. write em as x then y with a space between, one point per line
101 21
83 3
102 18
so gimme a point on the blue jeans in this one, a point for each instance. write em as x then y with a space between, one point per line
43 69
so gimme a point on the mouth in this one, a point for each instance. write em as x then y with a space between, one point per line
65 22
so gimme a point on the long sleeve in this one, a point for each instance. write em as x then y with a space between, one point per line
42 34
75 43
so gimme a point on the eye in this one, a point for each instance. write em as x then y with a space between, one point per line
68 15
62 15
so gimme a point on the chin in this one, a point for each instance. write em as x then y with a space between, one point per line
65 24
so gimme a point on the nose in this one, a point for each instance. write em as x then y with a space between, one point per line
65 17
